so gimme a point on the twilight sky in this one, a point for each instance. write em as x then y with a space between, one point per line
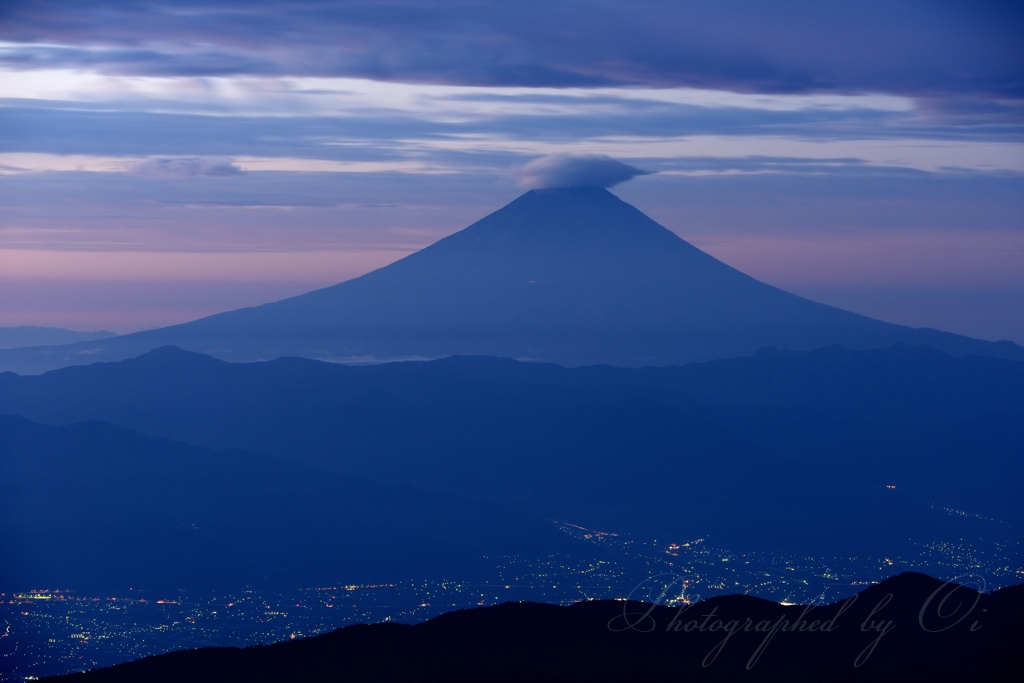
166 159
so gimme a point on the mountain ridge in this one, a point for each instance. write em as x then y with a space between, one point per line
719 434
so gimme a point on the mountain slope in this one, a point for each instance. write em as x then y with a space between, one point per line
94 506
572 275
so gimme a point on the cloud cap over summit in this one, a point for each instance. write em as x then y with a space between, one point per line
575 170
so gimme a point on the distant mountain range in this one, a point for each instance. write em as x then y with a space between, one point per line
808 440
894 631
29 335
570 275
92 506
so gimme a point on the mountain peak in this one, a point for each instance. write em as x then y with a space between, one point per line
564 217
568 274
170 353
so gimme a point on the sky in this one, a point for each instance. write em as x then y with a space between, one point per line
161 160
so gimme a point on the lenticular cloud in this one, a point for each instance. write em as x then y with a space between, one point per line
185 167
575 170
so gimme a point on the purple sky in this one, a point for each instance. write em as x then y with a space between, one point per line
163 160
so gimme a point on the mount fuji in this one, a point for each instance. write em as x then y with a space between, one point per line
569 275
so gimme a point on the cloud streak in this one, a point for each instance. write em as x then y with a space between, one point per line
185 167
790 46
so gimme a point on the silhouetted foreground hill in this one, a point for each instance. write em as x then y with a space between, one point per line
784 449
570 275
92 505
899 630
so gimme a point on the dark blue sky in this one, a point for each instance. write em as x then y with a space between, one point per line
164 160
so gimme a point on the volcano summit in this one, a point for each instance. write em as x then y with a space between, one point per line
571 275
